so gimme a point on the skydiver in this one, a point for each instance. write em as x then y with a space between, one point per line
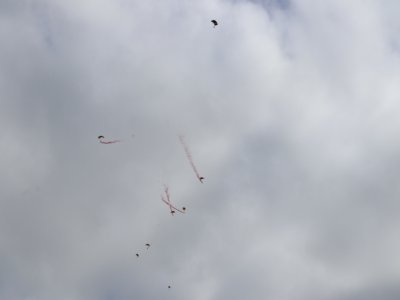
101 140
201 179
148 246
214 22
137 254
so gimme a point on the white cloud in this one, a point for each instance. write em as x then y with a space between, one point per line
289 108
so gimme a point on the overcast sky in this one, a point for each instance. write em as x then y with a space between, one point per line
291 111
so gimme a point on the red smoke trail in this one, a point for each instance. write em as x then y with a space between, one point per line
166 190
110 142
168 202
189 156
101 140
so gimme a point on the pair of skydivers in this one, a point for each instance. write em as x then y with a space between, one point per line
167 201
147 245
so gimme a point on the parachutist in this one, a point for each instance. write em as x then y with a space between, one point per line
101 140
214 22
168 202
189 157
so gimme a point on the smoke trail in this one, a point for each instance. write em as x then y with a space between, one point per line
189 156
101 140
167 201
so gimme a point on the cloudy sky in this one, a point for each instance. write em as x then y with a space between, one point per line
291 110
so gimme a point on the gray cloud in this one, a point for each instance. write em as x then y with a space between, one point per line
291 115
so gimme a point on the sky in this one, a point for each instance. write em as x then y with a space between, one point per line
290 109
